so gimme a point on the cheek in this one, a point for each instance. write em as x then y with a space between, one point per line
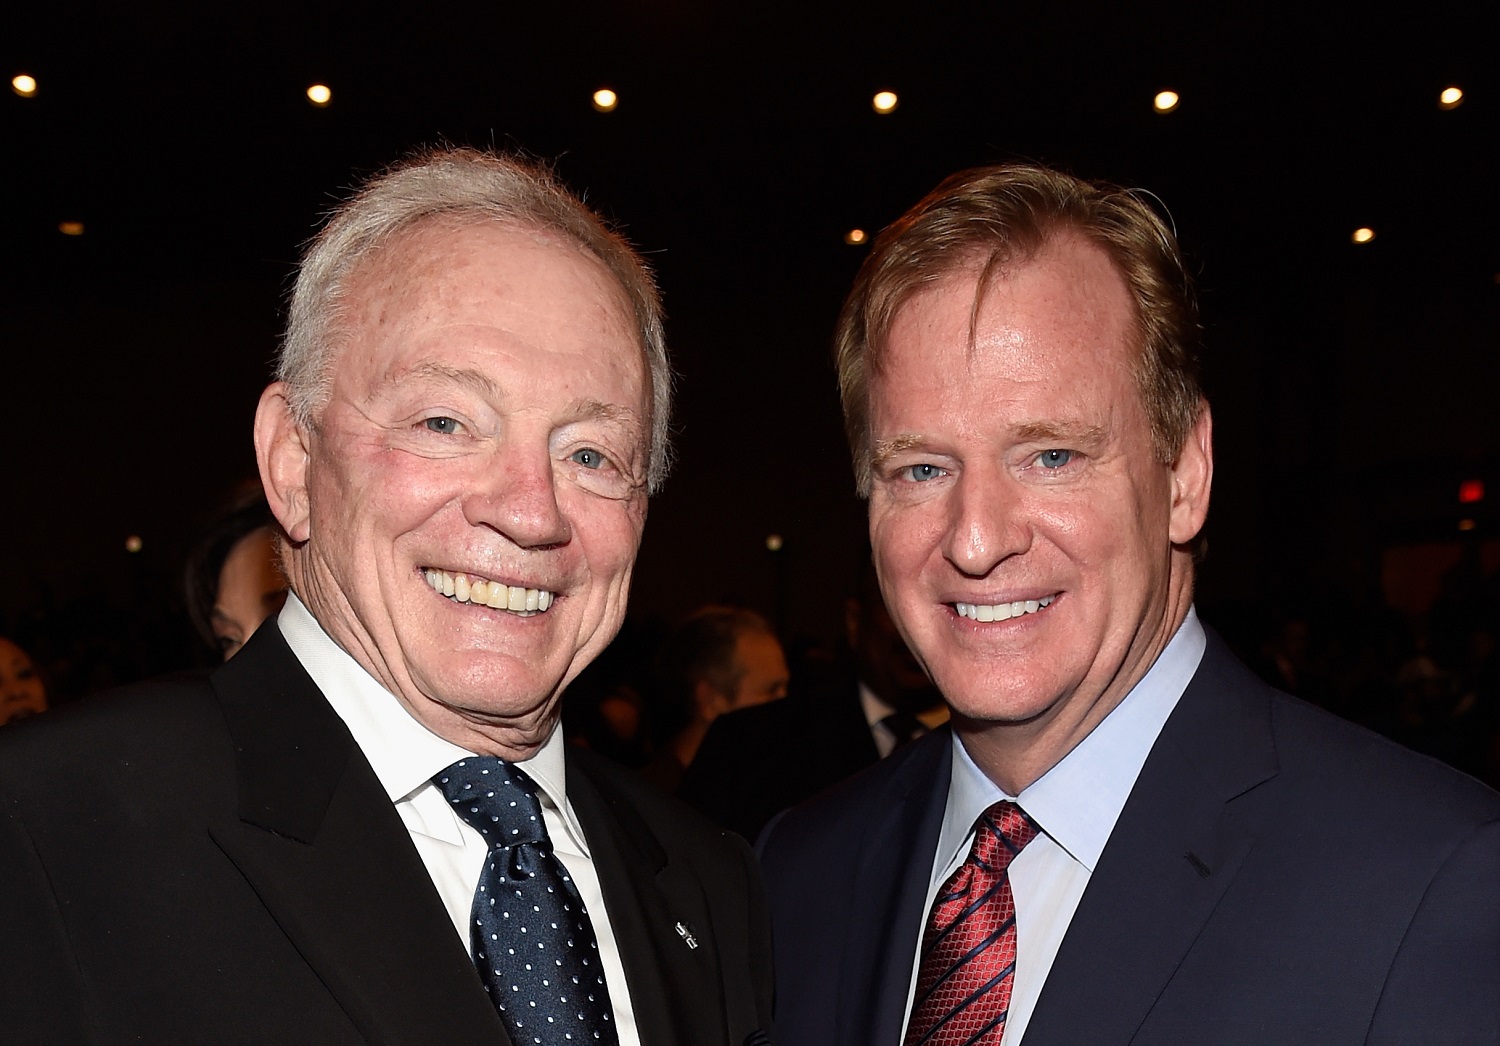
609 533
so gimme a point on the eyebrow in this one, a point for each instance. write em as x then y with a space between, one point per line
1061 432
431 369
599 411
885 449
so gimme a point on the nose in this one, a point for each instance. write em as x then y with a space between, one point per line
516 496
988 521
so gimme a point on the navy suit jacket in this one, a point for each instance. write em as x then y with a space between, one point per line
214 861
1276 876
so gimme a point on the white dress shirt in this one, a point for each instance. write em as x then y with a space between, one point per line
1075 804
876 709
405 755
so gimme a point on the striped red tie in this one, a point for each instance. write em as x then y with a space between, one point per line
969 945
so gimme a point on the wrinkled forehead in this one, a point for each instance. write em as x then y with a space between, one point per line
446 263
987 275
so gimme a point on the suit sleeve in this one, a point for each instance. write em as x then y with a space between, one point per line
1444 985
42 997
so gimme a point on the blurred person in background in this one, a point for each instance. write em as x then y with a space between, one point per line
719 660
22 692
759 761
233 578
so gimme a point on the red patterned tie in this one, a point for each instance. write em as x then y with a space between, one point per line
969 946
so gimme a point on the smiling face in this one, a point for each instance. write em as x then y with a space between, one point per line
1026 536
466 509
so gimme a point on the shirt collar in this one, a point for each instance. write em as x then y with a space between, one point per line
1077 802
404 754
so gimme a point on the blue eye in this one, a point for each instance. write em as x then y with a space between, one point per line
922 473
444 426
588 457
1054 459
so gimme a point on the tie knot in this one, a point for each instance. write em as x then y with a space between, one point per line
495 798
1001 832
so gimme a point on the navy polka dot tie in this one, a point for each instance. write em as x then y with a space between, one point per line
532 940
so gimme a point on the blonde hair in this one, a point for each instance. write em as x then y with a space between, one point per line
994 216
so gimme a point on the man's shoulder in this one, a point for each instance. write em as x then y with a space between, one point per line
1317 767
165 738
1358 766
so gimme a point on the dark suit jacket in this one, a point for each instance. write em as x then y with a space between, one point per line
214 861
758 761
1276 876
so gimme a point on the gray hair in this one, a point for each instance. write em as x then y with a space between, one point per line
463 186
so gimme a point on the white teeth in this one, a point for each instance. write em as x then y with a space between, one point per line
1001 611
466 588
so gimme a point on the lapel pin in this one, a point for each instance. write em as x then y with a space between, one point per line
686 933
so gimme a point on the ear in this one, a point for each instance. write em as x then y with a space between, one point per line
1192 476
281 449
708 701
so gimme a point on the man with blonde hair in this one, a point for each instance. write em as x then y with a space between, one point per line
366 828
1125 837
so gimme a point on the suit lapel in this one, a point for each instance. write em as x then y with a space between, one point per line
676 991
322 846
890 889
1171 856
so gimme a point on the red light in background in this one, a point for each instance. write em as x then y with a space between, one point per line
1471 491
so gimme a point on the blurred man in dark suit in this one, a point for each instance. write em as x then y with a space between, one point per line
754 763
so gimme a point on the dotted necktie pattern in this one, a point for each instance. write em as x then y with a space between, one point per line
533 943
969 945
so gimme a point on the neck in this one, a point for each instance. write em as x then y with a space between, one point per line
1015 754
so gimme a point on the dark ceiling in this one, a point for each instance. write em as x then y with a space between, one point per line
743 148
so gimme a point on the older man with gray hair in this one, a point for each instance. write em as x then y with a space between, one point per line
365 828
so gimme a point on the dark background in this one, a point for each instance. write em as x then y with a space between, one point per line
1353 386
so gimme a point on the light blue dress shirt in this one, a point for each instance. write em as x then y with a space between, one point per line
1075 804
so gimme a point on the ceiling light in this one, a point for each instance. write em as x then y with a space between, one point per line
855 236
70 228
23 85
884 101
133 543
1166 101
606 100
1364 234
1450 98
319 95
